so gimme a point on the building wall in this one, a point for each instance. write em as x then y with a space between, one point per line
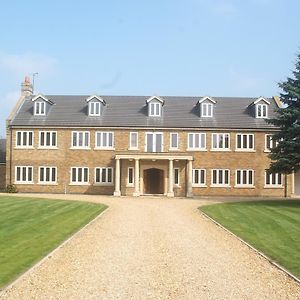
64 158
2 175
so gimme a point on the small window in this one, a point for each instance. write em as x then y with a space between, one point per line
220 141
244 142
198 177
23 175
104 140
196 141
47 139
207 109
80 139
273 179
261 110
79 175
39 108
154 109
130 177
244 177
104 175
176 177
220 177
270 143
133 140
94 108
47 175
174 141
24 139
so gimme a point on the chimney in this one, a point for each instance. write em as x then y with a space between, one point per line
26 87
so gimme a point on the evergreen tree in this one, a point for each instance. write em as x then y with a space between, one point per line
286 155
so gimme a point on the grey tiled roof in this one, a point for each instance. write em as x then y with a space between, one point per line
131 111
2 150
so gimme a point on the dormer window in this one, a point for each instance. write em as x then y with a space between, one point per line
41 105
207 107
206 110
39 108
261 108
94 109
155 106
95 105
261 111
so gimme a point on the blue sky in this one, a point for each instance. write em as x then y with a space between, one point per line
166 47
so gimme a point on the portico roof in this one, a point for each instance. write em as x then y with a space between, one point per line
154 156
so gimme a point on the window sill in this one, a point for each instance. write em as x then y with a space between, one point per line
79 183
220 186
104 148
220 150
267 151
47 148
273 187
23 182
199 150
244 186
199 185
244 150
103 184
24 147
133 149
47 183
80 148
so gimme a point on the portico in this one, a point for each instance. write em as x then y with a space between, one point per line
147 180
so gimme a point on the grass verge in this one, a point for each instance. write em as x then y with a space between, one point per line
272 227
30 228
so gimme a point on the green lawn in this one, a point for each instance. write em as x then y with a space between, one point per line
273 227
30 228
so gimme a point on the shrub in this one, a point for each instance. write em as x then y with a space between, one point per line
11 188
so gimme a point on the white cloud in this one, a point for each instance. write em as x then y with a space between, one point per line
28 63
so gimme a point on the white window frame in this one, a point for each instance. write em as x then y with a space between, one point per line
51 132
277 177
45 182
104 181
273 143
242 142
131 147
154 109
93 107
207 110
171 140
249 174
79 182
103 145
262 111
199 172
193 147
218 137
22 181
154 141
130 184
220 184
39 108
78 133
27 133
176 174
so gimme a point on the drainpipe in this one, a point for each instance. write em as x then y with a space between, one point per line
10 156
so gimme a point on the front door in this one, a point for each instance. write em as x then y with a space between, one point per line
153 181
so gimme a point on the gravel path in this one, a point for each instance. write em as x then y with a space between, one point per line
153 248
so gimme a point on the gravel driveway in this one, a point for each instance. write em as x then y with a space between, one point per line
153 248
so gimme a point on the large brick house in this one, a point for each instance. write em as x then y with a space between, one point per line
137 145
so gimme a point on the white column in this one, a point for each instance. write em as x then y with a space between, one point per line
136 178
171 179
189 192
117 191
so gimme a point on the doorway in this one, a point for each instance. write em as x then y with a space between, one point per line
297 183
153 181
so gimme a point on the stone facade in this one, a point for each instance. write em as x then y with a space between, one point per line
63 158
